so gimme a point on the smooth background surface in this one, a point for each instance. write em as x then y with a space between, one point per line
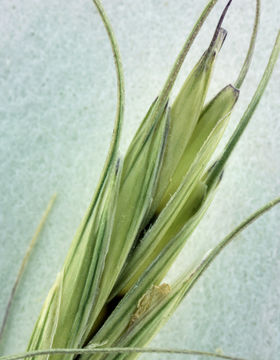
57 106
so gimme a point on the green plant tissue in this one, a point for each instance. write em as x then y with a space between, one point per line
57 105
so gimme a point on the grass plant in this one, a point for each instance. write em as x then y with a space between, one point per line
110 298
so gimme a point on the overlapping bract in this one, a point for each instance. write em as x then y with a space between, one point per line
166 159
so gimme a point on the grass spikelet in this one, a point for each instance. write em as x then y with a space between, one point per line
110 292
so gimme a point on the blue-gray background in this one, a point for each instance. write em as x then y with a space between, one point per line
57 105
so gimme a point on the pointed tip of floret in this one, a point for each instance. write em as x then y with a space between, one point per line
219 28
233 88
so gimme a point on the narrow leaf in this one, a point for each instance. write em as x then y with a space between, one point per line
25 262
